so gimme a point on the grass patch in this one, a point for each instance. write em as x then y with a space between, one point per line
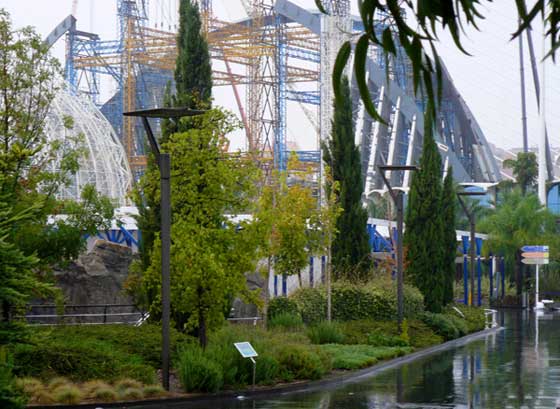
326 333
361 356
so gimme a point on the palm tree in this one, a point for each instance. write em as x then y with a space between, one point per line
525 170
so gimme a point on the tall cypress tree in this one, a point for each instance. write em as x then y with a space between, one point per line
449 237
350 248
423 237
193 73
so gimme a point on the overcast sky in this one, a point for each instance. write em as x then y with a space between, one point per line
488 80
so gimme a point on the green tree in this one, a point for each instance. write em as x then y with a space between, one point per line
517 221
449 237
210 252
193 73
525 170
350 249
193 89
423 238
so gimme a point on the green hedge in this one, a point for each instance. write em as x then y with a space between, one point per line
375 301
282 305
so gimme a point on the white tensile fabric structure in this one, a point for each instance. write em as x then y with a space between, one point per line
105 164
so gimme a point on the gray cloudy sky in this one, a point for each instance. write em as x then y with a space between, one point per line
488 80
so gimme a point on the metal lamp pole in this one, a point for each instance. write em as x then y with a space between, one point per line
472 246
397 197
164 164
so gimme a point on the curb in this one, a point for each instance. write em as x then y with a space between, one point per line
300 387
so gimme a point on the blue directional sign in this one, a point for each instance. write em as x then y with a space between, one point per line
535 249
246 349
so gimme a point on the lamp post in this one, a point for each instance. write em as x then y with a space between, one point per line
163 161
470 216
398 201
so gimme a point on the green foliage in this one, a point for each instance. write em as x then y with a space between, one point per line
326 333
84 353
282 305
286 321
517 221
350 248
449 326
311 304
193 73
210 253
423 236
10 396
473 316
368 331
449 236
360 356
197 372
350 301
525 170
299 362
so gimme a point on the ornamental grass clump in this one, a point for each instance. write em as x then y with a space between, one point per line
197 372
29 386
68 394
132 394
286 321
127 383
326 333
105 394
153 391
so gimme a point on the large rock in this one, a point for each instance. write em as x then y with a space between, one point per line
98 276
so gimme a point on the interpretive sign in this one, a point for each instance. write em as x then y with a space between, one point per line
246 349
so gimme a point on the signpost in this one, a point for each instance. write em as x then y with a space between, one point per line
247 351
535 255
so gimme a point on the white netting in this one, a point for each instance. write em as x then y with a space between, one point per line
105 164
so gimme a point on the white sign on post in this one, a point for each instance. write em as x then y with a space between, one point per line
247 351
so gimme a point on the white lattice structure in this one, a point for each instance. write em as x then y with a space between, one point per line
104 165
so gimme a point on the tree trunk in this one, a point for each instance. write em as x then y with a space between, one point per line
300 281
202 339
328 282
266 292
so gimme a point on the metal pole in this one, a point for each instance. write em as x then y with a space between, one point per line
472 246
537 289
523 104
542 135
165 203
400 301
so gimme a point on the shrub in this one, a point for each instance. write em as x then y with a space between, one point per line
311 304
422 336
68 394
82 353
132 394
375 300
43 397
299 362
379 339
474 316
286 321
105 394
326 333
267 371
197 373
281 305
11 396
441 324
152 391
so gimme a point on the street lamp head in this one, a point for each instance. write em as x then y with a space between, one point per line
396 167
170 112
465 193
